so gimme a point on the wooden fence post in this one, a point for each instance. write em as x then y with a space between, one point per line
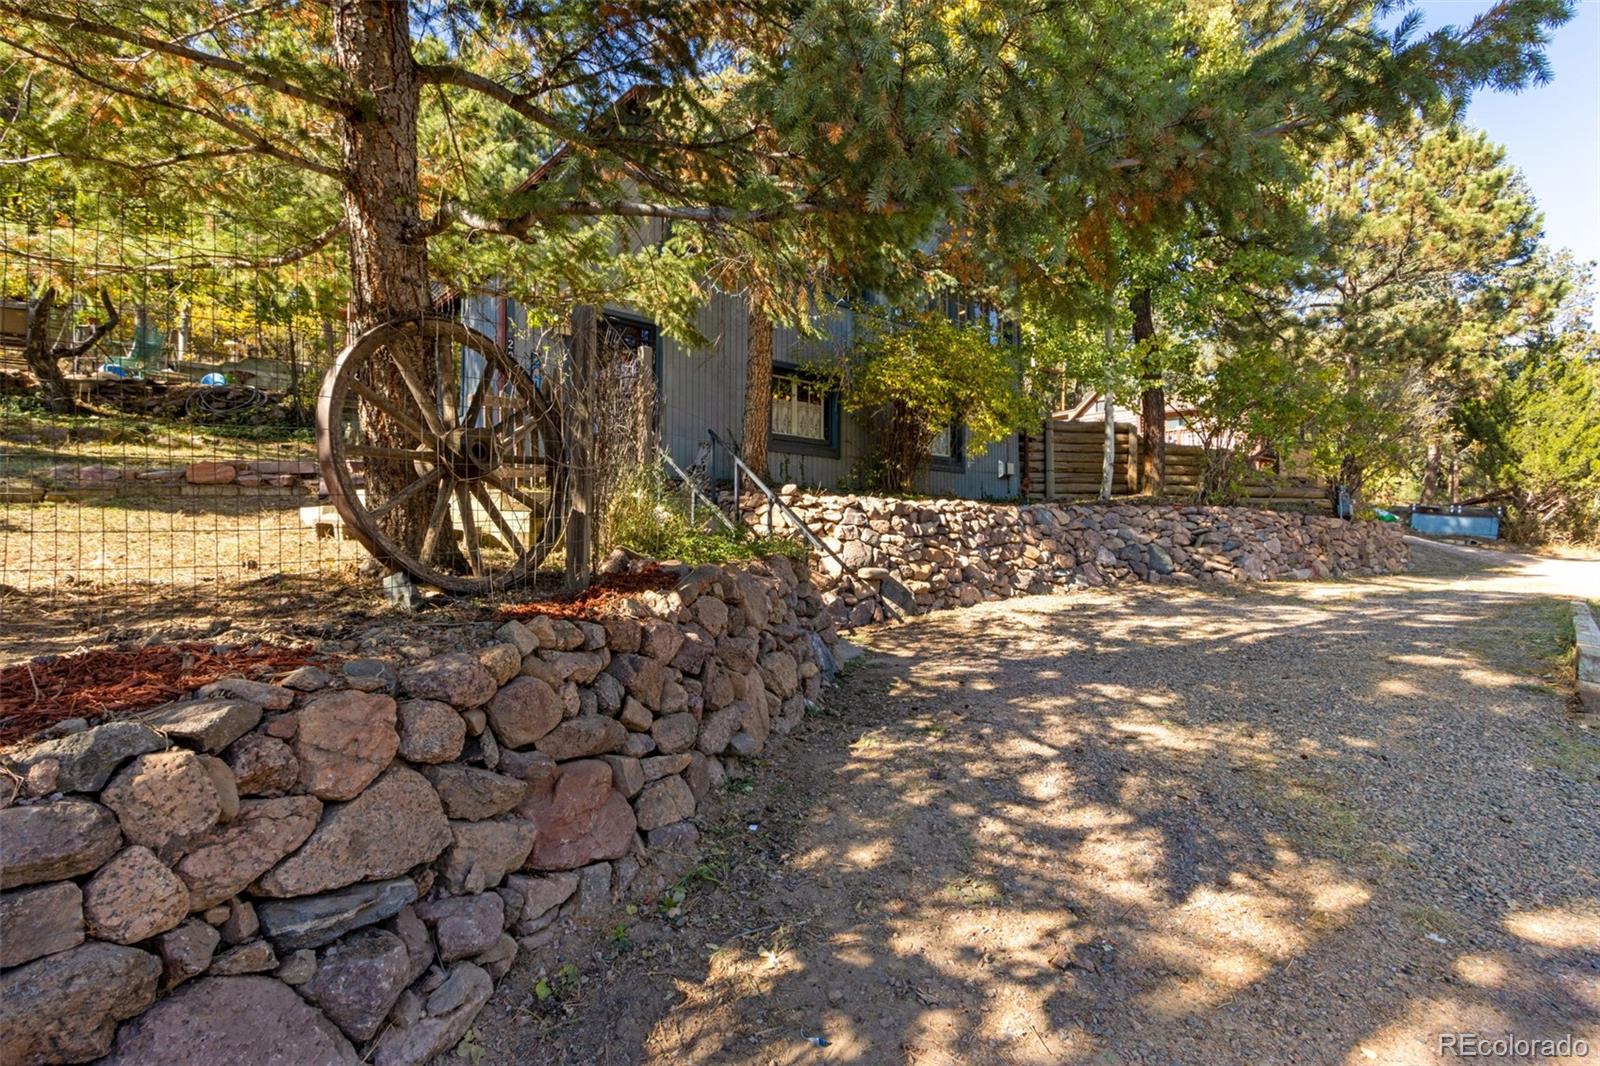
1049 458
580 444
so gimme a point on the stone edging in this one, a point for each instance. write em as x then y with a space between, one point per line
1587 635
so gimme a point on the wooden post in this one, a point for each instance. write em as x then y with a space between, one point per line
580 444
1049 458
1135 481
1108 460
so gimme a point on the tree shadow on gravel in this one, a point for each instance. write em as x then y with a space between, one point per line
1307 824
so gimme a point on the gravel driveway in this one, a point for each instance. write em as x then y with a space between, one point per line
1302 823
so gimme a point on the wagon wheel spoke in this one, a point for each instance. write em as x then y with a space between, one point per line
448 379
510 489
406 493
499 519
469 529
419 393
378 451
381 402
436 521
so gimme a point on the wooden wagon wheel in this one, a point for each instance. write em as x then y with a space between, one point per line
441 455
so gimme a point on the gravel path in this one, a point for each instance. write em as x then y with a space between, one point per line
1302 823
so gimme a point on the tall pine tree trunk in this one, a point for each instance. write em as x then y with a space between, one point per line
388 263
757 388
1152 402
1431 469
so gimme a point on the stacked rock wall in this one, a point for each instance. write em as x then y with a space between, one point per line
337 867
950 553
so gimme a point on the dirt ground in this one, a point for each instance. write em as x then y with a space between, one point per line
1302 823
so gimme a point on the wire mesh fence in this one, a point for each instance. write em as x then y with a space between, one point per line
157 417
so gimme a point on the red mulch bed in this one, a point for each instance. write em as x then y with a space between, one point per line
93 684
589 602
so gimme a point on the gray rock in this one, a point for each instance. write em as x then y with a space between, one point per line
208 725
87 760
241 1021
674 733
464 925
53 841
186 951
470 987
38 921
307 679
456 678
676 835
371 675
358 979
664 802
418 941
254 957
583 736
312 921
272 697
298 968
594 891
470 794
65 1007
541 895
486 851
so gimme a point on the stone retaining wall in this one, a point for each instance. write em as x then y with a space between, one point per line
338 867
950 553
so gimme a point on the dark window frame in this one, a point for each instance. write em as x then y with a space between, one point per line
956 461
788 445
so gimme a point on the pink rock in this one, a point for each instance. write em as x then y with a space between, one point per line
210 473
224 862
345 739
133 897
524 711
164 799
262 765
394 825
580 818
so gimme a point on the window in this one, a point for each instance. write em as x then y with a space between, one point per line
805 414
799 408
948 451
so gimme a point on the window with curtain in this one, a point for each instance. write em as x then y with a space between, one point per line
799 408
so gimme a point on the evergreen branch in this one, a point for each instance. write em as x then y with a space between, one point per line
261 144
262 78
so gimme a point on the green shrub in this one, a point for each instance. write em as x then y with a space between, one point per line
648 515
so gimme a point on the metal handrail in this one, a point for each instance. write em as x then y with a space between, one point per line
694 492
773 499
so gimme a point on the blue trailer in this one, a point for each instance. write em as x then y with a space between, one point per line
1479 522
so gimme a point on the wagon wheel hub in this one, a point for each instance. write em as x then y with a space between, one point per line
469 454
